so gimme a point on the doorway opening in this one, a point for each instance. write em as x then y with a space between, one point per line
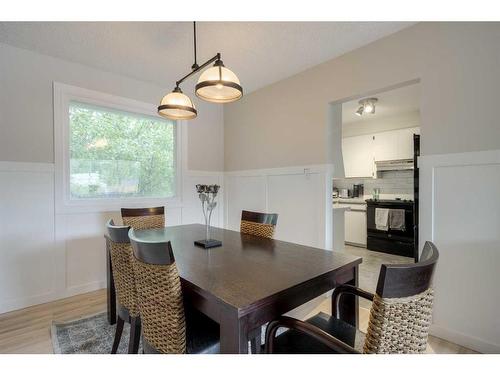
373 145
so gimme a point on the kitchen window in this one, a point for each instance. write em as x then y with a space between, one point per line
113 152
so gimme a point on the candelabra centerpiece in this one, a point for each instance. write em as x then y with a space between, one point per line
207 194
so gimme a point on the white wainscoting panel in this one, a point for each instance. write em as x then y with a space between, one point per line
460 213
298 198
191 205
85 257
297 194
244 193
46 256
27 260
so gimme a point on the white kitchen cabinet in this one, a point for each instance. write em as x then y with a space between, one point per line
394 144
358 156
404 145
385 146
355 226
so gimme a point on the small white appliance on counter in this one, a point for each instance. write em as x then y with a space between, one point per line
344 193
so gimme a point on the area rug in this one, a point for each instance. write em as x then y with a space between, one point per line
90 335
94 335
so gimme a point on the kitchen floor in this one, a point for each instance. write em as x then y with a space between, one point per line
370 268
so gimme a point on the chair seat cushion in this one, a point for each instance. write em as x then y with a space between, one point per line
202 333
294 342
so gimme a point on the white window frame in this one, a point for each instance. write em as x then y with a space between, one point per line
63 95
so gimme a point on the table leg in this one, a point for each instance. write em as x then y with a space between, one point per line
233 335
255 340
348 303
111 292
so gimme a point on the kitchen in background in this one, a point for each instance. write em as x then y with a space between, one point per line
380 141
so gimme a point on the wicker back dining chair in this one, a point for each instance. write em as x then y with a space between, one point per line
400 316
120 252
168 326
258 224
144 218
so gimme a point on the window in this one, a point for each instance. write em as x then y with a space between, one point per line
113 152
117 154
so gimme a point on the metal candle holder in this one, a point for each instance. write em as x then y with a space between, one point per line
207 194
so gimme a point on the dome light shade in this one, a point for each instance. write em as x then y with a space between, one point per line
177 106
219 85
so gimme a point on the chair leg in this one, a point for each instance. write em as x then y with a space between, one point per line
135 335
118 334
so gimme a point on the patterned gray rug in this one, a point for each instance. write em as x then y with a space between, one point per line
92 335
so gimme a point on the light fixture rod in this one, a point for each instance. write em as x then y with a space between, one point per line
195 70
195 65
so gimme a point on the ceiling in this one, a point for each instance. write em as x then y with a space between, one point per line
161 52
390 103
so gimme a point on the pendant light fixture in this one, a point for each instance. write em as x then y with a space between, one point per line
216 84
219 85
177 106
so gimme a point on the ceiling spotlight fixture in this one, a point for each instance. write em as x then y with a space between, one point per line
367 106
216 84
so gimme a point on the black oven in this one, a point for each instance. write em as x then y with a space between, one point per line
399 242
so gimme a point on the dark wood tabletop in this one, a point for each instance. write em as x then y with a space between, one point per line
250 280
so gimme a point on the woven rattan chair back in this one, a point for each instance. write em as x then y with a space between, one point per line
160 297
401 312
258 224
120 250
144 218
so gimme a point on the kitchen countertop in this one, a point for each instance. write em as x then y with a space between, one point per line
339 206
349 200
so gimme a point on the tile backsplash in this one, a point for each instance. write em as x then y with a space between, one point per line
390 183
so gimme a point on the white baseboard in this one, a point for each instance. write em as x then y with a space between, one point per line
86 288
22 303
473 343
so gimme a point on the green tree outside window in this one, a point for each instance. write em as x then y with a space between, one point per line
117 154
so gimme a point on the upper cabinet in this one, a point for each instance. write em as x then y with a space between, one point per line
360 152
385 146
405 143
358 156
394 144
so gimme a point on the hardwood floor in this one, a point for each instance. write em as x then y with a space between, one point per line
28 330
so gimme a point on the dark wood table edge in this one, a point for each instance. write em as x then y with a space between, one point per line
327 275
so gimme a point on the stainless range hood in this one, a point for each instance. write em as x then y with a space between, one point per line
394 165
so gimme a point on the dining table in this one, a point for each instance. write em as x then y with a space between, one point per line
249 280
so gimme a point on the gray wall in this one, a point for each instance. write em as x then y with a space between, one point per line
459 68
26 110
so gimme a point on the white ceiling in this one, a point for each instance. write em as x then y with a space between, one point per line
260 53
390 103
